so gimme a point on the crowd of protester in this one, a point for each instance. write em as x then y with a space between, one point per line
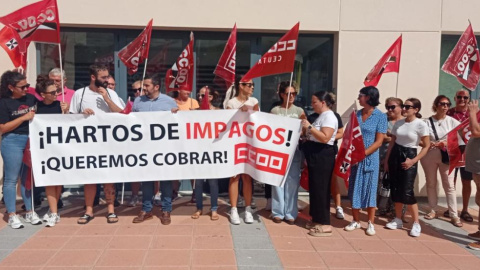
395 142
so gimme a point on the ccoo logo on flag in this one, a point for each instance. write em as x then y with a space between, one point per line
11 44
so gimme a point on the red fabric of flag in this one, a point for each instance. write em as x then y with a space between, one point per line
180 76
279 59
351 151
226 65
464 60
128 108
390 62
37 22
205 105
136 51
9 41
456 157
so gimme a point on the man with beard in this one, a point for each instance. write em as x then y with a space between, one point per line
90 100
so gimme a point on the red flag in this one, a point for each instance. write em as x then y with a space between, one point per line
351 151
137 51
226 65
456 157
180 76
390 62
36 22
279 59
9 41
205 105
464 60
128 107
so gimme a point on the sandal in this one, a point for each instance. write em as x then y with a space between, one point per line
456 222
197 214
318 231
112 218
431 215
84 219
310 225
214 215
466 216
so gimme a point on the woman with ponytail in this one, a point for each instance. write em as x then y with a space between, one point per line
402 162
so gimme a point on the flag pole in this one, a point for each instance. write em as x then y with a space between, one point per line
123 191
143 78
396 87
61 71
31 188
288 96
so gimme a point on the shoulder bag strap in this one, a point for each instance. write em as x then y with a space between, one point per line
433 128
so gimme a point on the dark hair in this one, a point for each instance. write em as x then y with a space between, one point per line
95 68
416 105
211 91
236 85
373 96
282 87
155 78
43 82
325 96
9 78
394 99
437 100
111 76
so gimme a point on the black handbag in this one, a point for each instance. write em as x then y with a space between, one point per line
445 158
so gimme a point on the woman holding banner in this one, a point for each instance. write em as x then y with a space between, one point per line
402 160
17 108
363 182
244 102
320 155
438 126
47 89
284 199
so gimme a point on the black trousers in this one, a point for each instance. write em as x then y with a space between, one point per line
402 181
320 160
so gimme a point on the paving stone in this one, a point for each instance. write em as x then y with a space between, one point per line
11 242
252 242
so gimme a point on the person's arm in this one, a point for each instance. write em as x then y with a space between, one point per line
339 134
111 105
393 138
323 135
409 162
12 125
376 144
472 111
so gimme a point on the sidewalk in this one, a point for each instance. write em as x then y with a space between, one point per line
204 244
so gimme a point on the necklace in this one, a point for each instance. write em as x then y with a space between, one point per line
440 122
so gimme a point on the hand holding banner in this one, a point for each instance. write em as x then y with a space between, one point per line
137 51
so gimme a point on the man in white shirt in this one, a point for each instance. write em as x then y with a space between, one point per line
90 100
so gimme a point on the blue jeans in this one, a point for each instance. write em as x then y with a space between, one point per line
166 198
213 193
12 149
284 200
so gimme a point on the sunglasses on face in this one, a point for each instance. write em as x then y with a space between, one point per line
203 95
464 97
249 85
291 94
448 104
391 108
361 95
137 89
56 92
407 107
23 87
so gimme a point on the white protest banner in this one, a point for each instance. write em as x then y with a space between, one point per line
146 146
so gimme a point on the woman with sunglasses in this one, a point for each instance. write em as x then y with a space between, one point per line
17 108
242 101
439 125
284 199
47 89
401 162
363 182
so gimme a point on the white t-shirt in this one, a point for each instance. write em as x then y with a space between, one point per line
325 119
408 134
93 100
234 103
442 127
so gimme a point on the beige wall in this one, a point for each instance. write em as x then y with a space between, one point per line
363 30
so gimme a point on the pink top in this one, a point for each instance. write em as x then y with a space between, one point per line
68 94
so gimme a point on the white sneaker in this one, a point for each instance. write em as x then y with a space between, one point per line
133 202
14 222
52 220
268 207
396 223
46 216
33 218
248 215
339 213
241 202
234 217
352 226
370 229
416 230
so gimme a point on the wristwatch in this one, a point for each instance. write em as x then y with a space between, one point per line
310 127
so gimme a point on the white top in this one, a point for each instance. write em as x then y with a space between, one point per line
234 103
442 127
408 134
325 119
93 100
